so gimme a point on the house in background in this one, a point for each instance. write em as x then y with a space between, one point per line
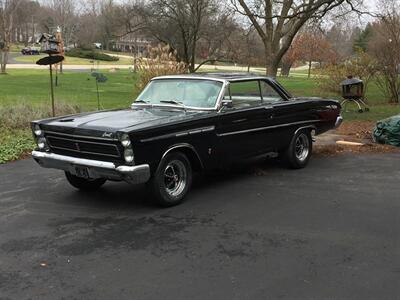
134 43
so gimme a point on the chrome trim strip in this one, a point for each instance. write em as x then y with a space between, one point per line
184 145
304 127
266 128
339 121
101 169
74 160
159 105
188 77
80 136
49 137
81 141
180 134
217 102
86 152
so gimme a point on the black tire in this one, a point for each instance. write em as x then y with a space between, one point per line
84 184
172 180
299 152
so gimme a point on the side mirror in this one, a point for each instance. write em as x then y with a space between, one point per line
226 104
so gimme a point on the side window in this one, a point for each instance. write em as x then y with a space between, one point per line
269 94
245 93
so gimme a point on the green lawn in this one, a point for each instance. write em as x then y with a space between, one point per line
79 88
75 60
75 88
380 109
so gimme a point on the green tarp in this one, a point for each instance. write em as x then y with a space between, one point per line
387 131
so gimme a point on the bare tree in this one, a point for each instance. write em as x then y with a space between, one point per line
179 24
116 20
245 47
8 9
277 22
384 46
216 32
64 15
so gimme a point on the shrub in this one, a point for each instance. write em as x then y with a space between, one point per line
15 144
361 65
15 134
20 115
162 61
91 54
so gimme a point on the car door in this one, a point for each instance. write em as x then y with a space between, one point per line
241 128
287 115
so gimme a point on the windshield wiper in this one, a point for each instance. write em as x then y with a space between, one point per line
141 101
172 102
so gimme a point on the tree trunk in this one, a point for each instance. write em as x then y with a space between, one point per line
309 68
192 64
285 71
3 61
272 67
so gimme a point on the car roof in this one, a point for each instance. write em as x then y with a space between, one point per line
218 76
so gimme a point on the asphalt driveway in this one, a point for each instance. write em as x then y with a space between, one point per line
331 231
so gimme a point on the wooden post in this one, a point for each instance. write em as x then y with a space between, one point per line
52 91
98 95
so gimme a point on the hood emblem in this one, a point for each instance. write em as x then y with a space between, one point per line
107 134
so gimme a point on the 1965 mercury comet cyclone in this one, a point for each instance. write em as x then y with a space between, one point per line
181 124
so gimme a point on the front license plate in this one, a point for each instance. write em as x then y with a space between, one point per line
82 172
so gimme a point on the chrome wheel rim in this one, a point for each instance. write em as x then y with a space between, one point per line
175 178
302 147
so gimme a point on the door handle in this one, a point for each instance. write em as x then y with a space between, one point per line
239 120
269 108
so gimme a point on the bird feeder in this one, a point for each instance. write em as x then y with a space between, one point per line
49 44
352 88
353 91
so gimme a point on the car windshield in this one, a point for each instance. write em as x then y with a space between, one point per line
196 93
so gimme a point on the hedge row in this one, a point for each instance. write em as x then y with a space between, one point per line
91 54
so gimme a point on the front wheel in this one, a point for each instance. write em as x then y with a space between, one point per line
84 184
300 150
172 180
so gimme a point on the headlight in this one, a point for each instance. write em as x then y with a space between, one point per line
36 130
125 141
128 155
41 142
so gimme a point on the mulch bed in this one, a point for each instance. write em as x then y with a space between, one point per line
355 131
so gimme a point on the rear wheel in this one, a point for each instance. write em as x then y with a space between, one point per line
172 180
300 150
84 184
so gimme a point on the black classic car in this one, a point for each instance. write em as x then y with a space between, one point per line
182 124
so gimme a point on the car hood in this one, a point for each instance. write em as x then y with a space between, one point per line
120 120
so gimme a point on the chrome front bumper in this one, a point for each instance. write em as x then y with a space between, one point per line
96 169
339 121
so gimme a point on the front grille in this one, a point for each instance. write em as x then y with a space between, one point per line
85 147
